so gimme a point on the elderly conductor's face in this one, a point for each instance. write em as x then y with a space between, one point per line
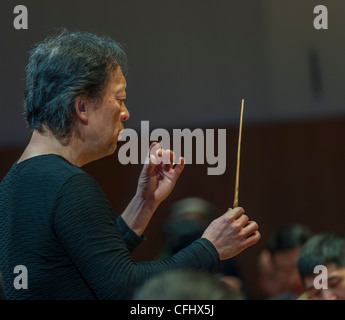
106 116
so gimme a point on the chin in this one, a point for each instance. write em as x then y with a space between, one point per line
112 148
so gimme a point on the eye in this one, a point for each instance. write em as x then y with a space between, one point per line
332 283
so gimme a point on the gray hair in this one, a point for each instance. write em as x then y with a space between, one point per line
60 69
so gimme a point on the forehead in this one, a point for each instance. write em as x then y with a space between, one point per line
287 257
117 82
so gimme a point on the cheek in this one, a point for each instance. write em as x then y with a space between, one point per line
309 282
108 119
113 112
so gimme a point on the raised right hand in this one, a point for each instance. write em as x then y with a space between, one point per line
232 233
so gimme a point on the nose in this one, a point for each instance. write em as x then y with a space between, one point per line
124 113
328 294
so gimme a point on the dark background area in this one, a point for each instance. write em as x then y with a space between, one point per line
190 64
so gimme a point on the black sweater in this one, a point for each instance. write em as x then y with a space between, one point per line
56 221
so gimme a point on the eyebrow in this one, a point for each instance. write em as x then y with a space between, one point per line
121 92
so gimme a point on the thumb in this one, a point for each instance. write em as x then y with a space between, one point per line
179 167
150 160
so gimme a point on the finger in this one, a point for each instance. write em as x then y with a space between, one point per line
179 167
162 157
153 161
156 154
243 220
154 144
253 238
168 157
235 213
172 157
150 158
251 228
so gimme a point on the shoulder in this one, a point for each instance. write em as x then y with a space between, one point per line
48 174
53 169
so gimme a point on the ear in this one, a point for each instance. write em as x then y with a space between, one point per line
81 109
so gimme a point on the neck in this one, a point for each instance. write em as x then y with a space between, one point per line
42 143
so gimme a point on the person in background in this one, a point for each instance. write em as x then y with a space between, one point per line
268 281
278 262
185 285
328 250
187 220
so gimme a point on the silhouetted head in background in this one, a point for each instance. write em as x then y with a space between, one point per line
188 218
326 249
185 285
281 256
187 222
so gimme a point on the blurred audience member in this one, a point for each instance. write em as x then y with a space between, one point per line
278 262
185 285
187 221
325 249
268 281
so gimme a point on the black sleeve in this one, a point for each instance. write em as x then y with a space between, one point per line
131 239
86 227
